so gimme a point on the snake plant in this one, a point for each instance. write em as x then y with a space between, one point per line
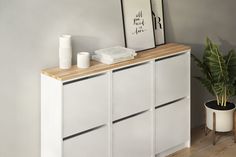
219 72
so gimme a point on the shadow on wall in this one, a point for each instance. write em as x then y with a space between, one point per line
191 27
225 46
198 93
84 41
190 22
168 25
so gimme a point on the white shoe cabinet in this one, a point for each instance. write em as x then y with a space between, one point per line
137 108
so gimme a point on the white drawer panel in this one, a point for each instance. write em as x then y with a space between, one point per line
172 78
172 125
91 144
85 104
132 137
131 90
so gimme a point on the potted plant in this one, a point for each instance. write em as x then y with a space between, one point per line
219 77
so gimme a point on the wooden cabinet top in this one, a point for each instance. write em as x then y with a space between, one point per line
97 67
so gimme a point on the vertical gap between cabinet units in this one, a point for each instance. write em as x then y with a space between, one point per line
109 123
153 101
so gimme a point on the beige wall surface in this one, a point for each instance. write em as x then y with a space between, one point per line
29 31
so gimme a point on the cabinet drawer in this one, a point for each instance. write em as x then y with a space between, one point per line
131 90
172 125
91 144
172 78
132 137
85 104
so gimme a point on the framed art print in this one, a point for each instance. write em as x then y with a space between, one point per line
158 14
138 24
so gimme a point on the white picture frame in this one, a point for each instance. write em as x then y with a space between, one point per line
138 24
159 26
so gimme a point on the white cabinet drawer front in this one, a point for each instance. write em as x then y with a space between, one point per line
131 90
91 144
85 104
132 137
172 78
172 125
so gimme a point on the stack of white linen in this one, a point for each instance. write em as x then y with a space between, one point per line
114 55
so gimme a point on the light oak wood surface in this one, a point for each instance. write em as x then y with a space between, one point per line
202 146
96 67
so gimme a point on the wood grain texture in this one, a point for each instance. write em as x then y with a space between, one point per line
96 67
201 145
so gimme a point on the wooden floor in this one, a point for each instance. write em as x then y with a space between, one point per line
202 145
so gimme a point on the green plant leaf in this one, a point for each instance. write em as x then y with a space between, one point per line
216 63
230 60
219 72
231 90
219 88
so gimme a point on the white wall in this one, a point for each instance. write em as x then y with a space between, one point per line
29 31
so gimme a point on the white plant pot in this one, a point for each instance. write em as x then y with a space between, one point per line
224 119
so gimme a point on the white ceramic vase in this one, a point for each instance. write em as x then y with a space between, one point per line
65 52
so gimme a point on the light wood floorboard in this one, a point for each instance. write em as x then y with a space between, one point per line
201 145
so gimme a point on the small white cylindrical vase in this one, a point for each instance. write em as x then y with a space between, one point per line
83 59
65 52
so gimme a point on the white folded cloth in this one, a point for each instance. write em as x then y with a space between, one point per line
114 55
